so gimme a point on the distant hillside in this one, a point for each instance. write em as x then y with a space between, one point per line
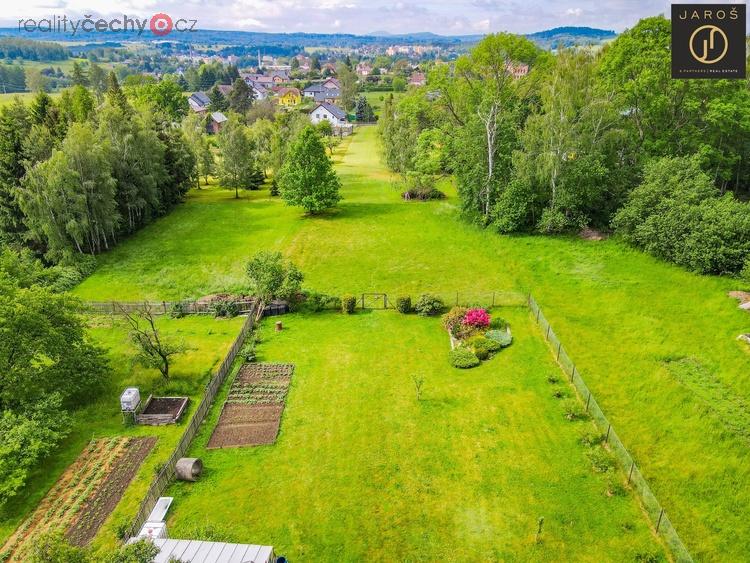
570 36
284 43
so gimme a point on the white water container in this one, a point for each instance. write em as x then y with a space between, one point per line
130 399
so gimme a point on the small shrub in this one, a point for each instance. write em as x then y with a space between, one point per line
553 379
348 304
559 394
482 347
316 302
247 352
574 410
403 305
478 318
600 460
453 318
502 337
225 309
498 323
463 358
428 305
615 488
591 439
421 187
178 310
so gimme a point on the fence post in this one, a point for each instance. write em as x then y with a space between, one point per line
363 301
588 401
658 524
573 373
385 301
548 329
538 310
559 345
606 438
493 298
630 473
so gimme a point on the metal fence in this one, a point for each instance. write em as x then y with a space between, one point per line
188 307
167 473
653 508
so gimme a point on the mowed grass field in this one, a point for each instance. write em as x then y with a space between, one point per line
207 340
656 344
363 471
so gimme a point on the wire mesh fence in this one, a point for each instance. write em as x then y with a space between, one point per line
486 299
653 508
167 472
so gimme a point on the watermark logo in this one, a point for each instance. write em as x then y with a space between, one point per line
708 41
160 24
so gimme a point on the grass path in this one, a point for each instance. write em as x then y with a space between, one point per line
628 321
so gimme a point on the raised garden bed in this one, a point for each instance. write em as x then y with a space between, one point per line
162 410
251 415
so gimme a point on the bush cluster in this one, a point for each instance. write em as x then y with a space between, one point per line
403 304
502 337
428 305
348 304
463 358
225 308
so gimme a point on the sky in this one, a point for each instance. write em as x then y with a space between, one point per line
457 17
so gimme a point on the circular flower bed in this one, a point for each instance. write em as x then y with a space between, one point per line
475 336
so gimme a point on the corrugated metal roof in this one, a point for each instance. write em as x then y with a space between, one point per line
195 551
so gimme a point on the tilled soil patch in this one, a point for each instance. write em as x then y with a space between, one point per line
97 507
251 415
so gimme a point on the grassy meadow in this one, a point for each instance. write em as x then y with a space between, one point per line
207 340
656 344
364 471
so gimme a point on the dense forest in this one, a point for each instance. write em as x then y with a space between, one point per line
18 48
589 138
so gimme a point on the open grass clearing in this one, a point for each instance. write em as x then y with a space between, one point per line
623 316
362 470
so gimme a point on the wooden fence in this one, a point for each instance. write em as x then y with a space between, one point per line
187 307
167 473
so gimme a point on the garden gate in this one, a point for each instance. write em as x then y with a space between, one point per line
374 301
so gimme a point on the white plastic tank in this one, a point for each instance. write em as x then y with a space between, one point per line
130 399
153 530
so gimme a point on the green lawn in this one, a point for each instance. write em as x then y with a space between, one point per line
207 342
625 318
363 471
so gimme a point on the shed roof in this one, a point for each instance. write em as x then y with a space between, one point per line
194 551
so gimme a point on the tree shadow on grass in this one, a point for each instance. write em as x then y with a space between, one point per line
355 211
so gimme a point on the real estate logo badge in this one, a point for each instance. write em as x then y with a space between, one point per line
708 41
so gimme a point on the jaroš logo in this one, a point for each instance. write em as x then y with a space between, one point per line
708 41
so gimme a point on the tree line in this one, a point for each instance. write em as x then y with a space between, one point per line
603 139
77 175
18 48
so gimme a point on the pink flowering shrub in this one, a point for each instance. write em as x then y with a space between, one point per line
478 318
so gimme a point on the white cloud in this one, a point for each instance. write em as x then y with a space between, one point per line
482 25
577 12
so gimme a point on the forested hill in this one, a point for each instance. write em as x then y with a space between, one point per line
569 36
546 39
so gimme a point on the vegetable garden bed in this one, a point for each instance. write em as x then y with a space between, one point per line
251 415
85 495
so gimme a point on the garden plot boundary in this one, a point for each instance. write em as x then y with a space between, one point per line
652 506
167 472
